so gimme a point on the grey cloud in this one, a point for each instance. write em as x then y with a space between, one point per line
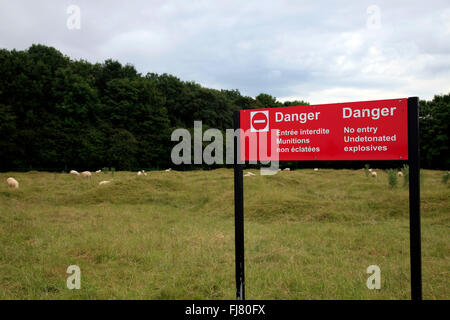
284 48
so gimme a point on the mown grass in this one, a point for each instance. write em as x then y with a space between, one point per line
170 235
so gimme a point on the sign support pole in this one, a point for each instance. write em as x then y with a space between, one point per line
414 198
238 210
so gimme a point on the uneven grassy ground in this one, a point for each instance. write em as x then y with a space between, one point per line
170 235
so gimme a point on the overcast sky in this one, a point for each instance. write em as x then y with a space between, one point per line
318 51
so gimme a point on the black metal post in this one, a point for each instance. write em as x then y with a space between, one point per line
238 212
414 198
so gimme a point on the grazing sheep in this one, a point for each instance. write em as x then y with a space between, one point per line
287 169
373 174
12 183
168 170
316 169
400 174
140 173
86 174
103 182
250 173
370 170
98 171
74 172
279 169
247 174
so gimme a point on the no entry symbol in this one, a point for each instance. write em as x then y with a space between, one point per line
259 121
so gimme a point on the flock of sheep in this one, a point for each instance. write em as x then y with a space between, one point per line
373 174
13 183
88 174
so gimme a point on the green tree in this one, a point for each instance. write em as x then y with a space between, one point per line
434 122
267 101
123 150
295 103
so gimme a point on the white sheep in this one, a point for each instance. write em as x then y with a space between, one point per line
400 174
250 173
168 170
316 169
373 174
74 172
12 183
98 171
247 174
370 170
287 169
86 174
140 173
103 182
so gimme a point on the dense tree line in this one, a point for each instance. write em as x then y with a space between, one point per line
61 114
434 124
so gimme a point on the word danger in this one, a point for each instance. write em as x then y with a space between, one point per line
300 117
374 113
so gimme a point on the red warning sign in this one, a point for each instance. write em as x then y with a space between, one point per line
368 130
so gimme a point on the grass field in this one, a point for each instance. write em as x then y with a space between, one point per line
170 235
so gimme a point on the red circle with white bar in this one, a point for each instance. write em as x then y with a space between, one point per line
259 121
